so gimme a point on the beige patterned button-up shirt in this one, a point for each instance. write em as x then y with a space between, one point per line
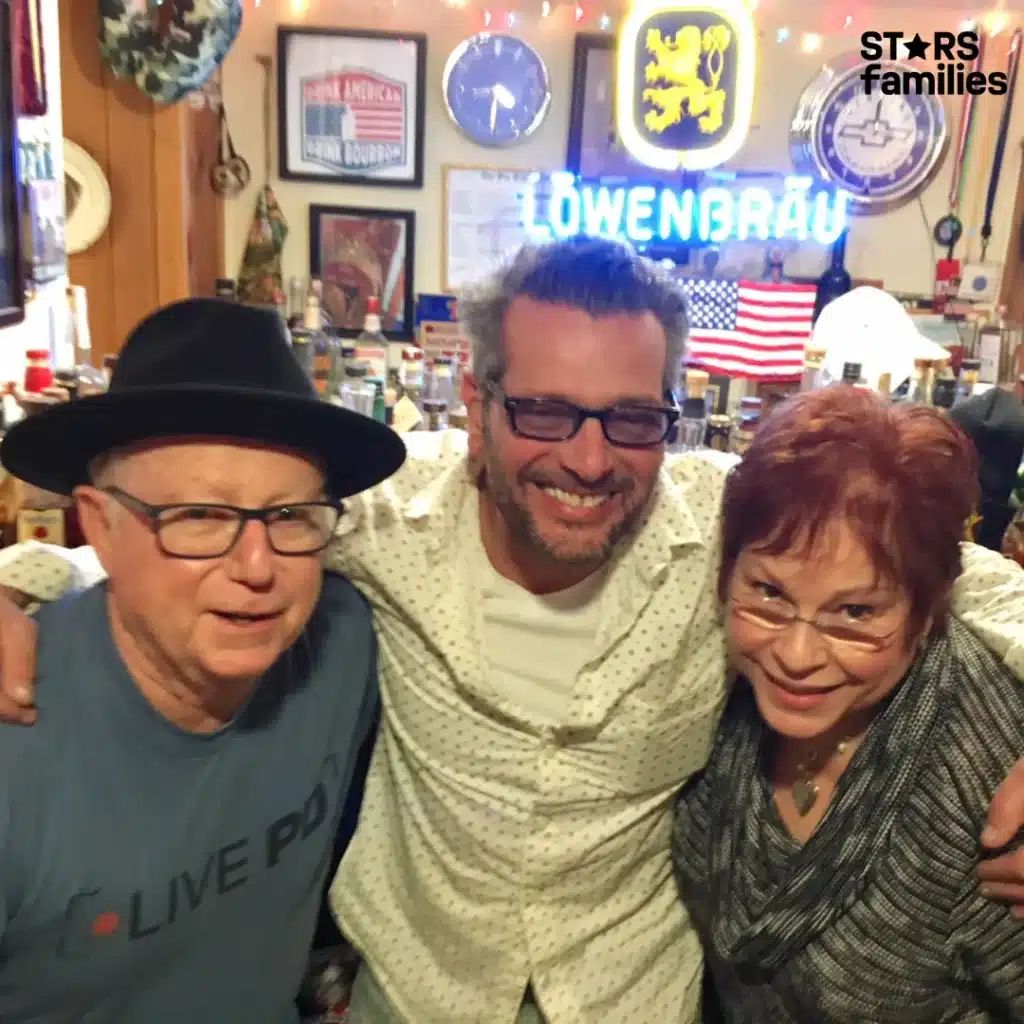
494 851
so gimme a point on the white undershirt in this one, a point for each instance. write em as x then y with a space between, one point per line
534 646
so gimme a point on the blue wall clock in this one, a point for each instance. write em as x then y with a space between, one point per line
496 89
883 150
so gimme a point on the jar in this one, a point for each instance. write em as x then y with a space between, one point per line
412 373
718 433
357 393
748 421
435 413
38 371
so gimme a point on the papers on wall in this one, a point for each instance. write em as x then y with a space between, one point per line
482 221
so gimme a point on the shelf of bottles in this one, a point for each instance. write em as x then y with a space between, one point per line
992 354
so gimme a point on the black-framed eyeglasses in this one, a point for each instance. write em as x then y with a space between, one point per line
555 420
201 530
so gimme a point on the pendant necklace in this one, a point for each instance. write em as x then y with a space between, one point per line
805 789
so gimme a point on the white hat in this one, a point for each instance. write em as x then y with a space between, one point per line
870 327
87 197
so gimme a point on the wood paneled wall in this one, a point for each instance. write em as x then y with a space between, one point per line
1012 292
165 237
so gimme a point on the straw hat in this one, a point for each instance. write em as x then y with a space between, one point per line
87 197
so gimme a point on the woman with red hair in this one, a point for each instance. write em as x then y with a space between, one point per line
828 853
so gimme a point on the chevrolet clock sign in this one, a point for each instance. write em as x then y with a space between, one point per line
685 82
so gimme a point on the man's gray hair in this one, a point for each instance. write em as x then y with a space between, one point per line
103 468
596 275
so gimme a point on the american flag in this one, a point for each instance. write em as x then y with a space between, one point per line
749 329
376 124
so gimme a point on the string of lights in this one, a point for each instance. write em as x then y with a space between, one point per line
498 16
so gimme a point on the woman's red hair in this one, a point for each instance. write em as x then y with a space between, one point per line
903 477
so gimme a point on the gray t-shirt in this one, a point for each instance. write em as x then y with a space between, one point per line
154 876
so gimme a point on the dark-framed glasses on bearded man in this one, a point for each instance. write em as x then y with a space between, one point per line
556 420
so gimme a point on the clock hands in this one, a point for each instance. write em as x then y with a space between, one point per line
500 97
504 97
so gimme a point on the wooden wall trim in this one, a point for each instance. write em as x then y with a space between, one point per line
171 209
1011 291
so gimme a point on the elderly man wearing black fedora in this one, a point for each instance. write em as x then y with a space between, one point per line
167 825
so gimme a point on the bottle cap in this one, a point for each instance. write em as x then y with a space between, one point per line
697 383
373 305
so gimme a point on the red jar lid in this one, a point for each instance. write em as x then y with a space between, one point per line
37 353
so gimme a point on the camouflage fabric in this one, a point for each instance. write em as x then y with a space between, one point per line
168 49
259 279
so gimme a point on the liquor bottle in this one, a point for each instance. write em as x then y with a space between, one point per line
407 412
970 373
814 365
296 302
372 334
924 382
326 353
851 373
944 394
372 345
88 379
835 281
357 393
444 381
943 384
693 421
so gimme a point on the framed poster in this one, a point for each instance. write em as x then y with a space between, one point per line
481 221
594 150
30 68
12 272
361 254
350 106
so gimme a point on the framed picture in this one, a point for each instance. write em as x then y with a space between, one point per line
594 150
12 271
361 254
30 65
350 106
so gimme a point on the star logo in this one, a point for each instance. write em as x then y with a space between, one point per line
916 48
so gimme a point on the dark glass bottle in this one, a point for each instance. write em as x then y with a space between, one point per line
851 373
835 281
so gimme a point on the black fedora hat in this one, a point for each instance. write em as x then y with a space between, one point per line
204 367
